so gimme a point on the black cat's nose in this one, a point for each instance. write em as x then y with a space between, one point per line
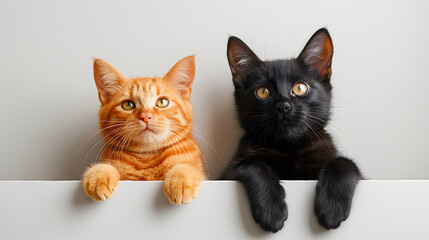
283 107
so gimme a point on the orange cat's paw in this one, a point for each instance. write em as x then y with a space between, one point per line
182 184
100 181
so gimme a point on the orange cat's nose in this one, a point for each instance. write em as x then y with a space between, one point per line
145 117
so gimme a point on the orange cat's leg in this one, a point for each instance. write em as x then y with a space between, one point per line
100 181
182 183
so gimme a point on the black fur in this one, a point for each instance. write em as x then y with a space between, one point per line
285 134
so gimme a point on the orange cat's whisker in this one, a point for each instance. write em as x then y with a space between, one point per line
94 134
107 144
102 139
127 141
205 161
124 136
179 141
201 137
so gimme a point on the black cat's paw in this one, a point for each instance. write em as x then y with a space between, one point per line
334 192
270 214
331 208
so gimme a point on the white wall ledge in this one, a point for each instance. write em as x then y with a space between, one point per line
139 210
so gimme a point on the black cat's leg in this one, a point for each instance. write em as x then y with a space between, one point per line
266 195
334 192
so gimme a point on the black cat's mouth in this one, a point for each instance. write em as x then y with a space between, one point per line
286 121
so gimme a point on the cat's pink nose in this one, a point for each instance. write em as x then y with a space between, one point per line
145 117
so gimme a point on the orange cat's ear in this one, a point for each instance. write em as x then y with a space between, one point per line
108 80
182 74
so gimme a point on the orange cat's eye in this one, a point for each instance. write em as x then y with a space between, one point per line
262 92
128 105
300 89
162 102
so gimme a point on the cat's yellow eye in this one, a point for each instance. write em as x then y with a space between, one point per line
300 89
128 105
162 102
263 92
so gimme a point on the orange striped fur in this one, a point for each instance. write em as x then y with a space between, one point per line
147 142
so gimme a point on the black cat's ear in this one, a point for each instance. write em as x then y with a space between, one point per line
317 54
240 59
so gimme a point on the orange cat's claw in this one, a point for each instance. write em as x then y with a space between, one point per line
100 181
182 184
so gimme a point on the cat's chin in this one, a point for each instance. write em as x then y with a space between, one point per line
285 124
144 147
148 140
150 137
290 132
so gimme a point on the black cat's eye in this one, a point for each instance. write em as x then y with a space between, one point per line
300 89
262 93
162 102
128 105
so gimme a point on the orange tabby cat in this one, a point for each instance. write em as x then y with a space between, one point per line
146 123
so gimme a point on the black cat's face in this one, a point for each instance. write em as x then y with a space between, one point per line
283 100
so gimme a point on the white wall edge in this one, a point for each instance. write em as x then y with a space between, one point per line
382 209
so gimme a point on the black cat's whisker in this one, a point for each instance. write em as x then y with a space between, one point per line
262 127
267 127
319 134
262 118
311 137
265 132
341 107
333 130
325 122
256 127
318 112
258 116
311 116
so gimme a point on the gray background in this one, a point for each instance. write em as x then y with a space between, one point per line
49 101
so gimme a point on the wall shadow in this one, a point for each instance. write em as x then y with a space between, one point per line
246 215
315 227
80 199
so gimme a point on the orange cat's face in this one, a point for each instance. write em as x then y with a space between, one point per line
145 114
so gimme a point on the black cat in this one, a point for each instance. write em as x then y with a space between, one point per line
284 106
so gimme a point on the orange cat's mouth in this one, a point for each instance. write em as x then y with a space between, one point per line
147 129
